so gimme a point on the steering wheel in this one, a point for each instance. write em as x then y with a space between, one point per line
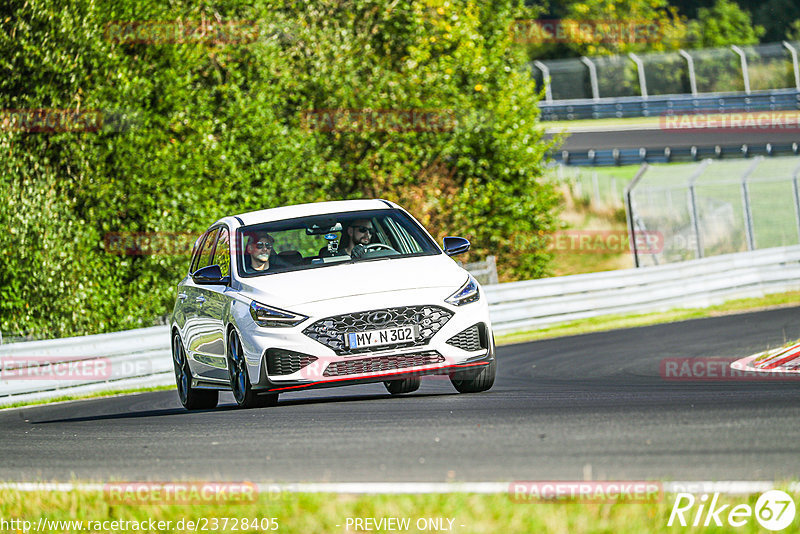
377 246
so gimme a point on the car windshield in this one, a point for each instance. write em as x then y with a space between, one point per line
323 240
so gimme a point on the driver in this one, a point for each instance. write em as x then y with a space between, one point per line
358 232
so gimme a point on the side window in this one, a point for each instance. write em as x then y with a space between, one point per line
400 237
208 249
196 253
222 254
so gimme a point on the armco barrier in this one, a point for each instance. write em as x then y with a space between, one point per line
695 283
636 156
38 370
138 358
662 105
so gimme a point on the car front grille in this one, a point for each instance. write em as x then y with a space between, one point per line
469 339
382 363
331 330
284 362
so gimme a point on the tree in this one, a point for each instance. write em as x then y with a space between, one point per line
723 24
198 127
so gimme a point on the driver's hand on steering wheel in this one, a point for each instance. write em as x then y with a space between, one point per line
358 251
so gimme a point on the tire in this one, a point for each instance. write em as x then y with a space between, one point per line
475 382
243 393
191 398
398 387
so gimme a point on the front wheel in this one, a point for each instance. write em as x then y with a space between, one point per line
191 398
476 381
243 393
398 387
472 382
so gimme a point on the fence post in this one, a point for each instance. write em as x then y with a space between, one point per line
745 73
640 69
690 64
748 210
629 210
548 90
491 265
793 51
796 189
693 207
592 77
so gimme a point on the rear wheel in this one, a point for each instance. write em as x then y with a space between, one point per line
243 393
191 398
398 387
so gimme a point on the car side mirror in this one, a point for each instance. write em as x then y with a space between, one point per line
210 275
455 245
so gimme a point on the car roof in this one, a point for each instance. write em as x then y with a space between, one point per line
316 208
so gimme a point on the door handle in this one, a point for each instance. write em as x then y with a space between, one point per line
200 300
182 296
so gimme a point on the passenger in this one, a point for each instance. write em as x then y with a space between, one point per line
259 252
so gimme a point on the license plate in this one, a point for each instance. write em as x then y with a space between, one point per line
387 336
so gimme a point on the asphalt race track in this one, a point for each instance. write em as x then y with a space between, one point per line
558 406
657 139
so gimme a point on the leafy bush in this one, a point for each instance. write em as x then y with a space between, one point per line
199 129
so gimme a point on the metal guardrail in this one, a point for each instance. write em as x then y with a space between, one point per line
137 358
39 370
635 156
695 283
664 105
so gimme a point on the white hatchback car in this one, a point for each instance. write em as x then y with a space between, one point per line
326 294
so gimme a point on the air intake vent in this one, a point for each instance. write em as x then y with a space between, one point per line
469 340
382 363
284 362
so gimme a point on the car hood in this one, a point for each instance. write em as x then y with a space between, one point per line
352 279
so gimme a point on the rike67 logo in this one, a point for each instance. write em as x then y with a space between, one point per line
774 510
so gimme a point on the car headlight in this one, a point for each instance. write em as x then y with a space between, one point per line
273 317
465 294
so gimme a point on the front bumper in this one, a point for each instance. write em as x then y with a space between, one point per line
289 359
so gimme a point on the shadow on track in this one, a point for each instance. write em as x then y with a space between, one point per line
232 407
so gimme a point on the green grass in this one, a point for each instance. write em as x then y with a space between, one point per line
601 123
322 513
612 322
589 183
